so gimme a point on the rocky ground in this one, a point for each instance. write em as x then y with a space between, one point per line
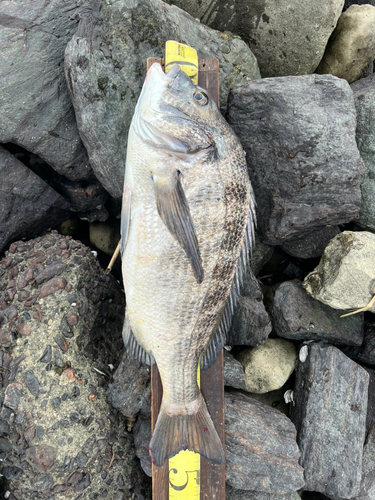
297 85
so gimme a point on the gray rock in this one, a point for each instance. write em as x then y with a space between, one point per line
105 64
268 366
251 324
304 164
365 354
260 255
352 45
330 416
288 37
364 99
234 376
297 316
370 420
232 494
35 108
260 448
28 205
142 437
73 433
345 274
130 390
367 490
312 245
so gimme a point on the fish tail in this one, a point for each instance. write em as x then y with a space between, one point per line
191 430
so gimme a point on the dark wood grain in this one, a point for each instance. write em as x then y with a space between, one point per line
212 380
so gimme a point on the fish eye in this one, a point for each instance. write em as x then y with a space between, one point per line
201 98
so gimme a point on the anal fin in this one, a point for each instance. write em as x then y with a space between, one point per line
133 348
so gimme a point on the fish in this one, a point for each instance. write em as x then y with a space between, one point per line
187 227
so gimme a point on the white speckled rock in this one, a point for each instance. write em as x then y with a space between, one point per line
268 366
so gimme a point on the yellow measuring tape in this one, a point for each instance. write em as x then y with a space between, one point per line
185 467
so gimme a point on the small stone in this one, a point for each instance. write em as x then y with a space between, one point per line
52 286
38 314
44 482
32 383
47 354
56 402
72 320
40 432
11 473
81 459
268 366
5 445
49 272
23 295
4 428
62 343
42 456
13 394
24 329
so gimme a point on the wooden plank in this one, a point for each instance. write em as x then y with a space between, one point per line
212 380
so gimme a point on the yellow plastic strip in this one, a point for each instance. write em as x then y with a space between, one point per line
183 55
185 473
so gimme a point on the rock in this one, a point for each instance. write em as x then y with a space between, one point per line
36 111
367 489
299 137
234 375
287 37
370 420
251 324
260 255
142 437
330 416
105 72
366 352
344 277
274 399
268 366
232 494
27 204
104 237
260 448
311 245
130 391
62 430
297 316
352 44
364 99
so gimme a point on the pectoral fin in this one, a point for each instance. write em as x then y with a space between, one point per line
125 218
174 211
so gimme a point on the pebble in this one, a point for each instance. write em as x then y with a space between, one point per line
52 286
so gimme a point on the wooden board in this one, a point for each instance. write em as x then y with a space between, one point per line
212 380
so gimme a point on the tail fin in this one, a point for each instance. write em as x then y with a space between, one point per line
193 431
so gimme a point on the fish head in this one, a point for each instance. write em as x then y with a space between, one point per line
175 115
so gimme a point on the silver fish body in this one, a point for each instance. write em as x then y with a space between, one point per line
187 202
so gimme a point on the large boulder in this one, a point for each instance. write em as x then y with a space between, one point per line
299 136
35 108
288 37
28 205
352 44
330 405
344 278
364 99
105 64
60 327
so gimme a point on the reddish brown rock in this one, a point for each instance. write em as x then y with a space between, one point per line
72 320
42 456
52 286
24 329
23 295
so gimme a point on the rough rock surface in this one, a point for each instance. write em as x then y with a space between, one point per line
234 376
297 316
367 490
251 323
260 255
130 391
105 65
287 37
260 448
331 424
232 494
304 164
352 44
28 205
60 324
35 108
344 278
268 366
366 352
105 237
364 99
312 245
